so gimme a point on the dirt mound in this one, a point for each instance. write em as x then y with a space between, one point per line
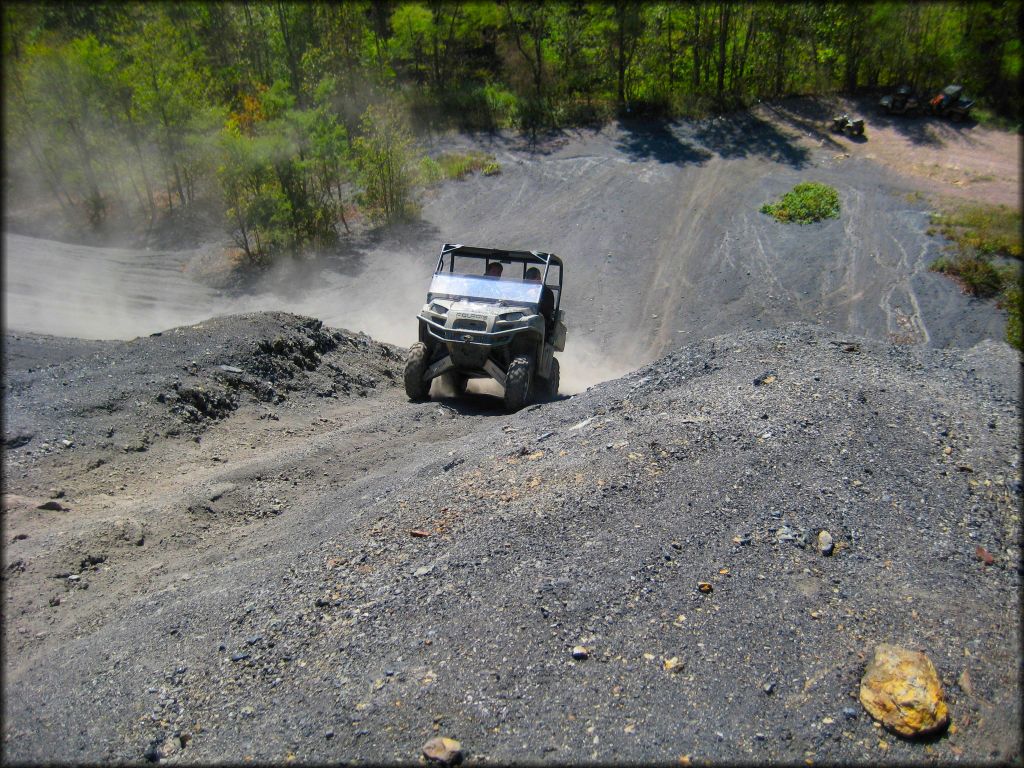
125 394
380 572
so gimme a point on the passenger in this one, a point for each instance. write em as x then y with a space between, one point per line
547 298
494 269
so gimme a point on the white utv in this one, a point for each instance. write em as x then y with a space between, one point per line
477 324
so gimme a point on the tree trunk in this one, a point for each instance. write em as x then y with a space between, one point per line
723 33
696 50
620 17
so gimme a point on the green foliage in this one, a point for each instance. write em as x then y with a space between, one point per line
1013 303
119 108
981 236
457 166
978 276
385 162
807 202
989 230
430 172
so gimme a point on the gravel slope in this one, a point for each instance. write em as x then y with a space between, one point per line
279 604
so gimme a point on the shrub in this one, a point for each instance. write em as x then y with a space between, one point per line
807 202
430 172
453 165
1013 303
988 229
976 274
980 235
385 162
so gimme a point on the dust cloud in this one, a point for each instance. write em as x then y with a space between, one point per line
585 363
106 293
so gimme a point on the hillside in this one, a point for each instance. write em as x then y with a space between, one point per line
307 565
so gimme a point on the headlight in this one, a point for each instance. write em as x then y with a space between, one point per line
437 309
511 317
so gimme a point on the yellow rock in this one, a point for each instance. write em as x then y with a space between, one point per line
902 690
443 750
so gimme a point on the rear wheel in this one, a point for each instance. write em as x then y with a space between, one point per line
415 366
518 382
550 384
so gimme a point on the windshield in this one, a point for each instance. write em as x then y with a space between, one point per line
447 285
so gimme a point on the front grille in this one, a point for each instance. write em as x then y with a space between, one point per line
469 325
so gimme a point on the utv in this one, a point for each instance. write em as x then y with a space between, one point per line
950 102
901 102
477 324
845 124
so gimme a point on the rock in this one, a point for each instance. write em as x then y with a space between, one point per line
219 490
443 750
964 681
825 543
53 505
705 587
423 570
18 440
580 653
673 665
789 533
902 690
161 750
768 688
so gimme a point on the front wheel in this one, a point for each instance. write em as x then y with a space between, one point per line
518 382
415 366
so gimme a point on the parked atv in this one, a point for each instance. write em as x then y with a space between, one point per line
477 324
845 124
949 102
903 101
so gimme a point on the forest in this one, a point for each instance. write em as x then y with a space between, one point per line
295 119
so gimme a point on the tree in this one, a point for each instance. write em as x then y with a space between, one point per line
384 159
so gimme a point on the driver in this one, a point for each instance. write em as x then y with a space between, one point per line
494 269
547 298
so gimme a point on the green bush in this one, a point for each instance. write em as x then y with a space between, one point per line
976 274
430 172
457 166
1013 303
988 229
386 165
807 202
979 234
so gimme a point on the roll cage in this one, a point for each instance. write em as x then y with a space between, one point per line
548 263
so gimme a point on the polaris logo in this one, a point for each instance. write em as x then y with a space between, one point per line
470 316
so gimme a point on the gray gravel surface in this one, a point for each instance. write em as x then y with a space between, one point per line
359 574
